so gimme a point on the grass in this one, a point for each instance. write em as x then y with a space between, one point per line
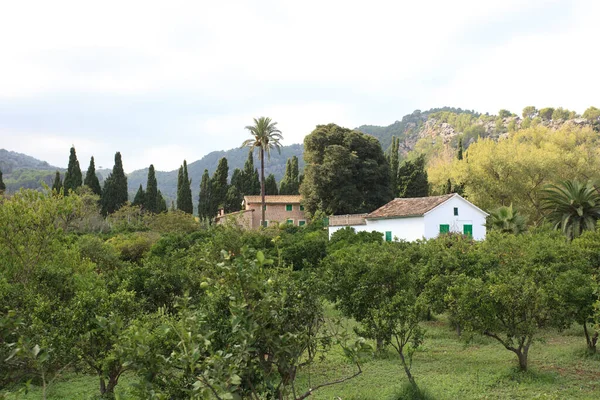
446 368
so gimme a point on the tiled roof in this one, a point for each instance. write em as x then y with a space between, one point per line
273 199
411 207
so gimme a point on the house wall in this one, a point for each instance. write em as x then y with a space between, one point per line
243 219
408 229
444 214
275 213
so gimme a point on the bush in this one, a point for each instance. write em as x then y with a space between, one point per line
132 247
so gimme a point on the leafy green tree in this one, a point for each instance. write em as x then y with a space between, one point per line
376 285
592 114
233 200
448 187
459 154
219 187
394 162
162 203
346 172
561 113
529 112
114 192
57 185
290 183
152 200
140 198
412 178
507 220
546 113
250 178
184 192
504 113
572 207
515 295
73 178
204 203
91 180
265 136
2 185
271 186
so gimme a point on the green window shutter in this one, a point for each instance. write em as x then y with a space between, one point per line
326 221
288 207
444 228
455 210
290 221
301 207
265 223
301 223
265 207
388 236
468 230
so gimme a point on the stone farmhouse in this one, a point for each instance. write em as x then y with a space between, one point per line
417 218
279 209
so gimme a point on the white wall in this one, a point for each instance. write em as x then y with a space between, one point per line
408 229
444 214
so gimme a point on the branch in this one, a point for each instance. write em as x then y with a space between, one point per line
493 335
208 385
309 392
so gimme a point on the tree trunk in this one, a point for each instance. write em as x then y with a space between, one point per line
102 386
262 184
379 345
522 355
591 341
407 370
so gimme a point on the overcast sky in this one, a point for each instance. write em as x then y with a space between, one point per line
164 81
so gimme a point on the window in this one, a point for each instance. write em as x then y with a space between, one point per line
265 223
455 210
289 207
290 221
444 228
265 207
301 223
388 236
468 230
301 207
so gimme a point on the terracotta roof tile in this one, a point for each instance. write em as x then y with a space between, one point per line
273 199
415 206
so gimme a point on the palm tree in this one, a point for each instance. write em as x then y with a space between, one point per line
265 136
507 220
572 207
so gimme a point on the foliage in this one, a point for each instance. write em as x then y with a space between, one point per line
507 220
114 192
346 172
572 207
530 112
91 179
133 246
151 200
412 179
249 177
290 184
57 185
219 187
204 203
2 185
73 178
394 163
184 191
140 198
271 186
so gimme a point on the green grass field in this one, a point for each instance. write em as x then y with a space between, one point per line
446 368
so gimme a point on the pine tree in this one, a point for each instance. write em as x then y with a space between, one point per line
205 197
2 185
219 187
186 192
394 163
271 186
460 150
57 185
412 178
290 184
140 198
114 192
152 199
91 179
73 178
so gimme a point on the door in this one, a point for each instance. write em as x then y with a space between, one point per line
468 230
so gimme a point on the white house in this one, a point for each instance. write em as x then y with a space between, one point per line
417 218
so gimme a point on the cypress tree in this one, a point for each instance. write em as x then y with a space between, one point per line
394 164
233 200
250 177
2 185
290 184
219 186
448 187
237 180
186 192
57 185
114 192
412 178
73 178
152 199
271 186
91 180
205 197
161 203
140 198
172 206
459 155
180 188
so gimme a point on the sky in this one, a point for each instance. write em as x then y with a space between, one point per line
164 81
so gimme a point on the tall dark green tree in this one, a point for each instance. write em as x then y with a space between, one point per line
57 185
233 200
265 136
2 185
448 187
290 184
152 200
204 210
412 178
161 203
459 155
91 179
219 186
73 178
394 162
250 177
237 180
140 198
114 192
346 172
184 192
271 186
